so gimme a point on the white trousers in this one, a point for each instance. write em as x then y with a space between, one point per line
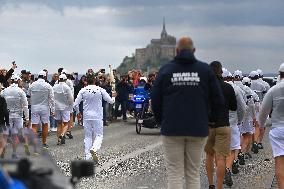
93 136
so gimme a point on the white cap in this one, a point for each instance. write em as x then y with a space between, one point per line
15 77
42 73
64 71
225 73
63 76
253 74
238 73
246 80
259 71
281 68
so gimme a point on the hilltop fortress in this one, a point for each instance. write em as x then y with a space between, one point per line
156 54
158 49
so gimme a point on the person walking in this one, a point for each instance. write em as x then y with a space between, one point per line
274 101
17 103
92 96
42 104
219 139
180 96
63 103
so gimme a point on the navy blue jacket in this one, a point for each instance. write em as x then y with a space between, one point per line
122 91
180 96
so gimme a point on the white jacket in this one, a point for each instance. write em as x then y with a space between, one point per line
17 102
259 88
251 100
92 96
273 100
70 84
63 96
236 117
42 97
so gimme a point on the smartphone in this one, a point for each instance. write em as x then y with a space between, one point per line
103 70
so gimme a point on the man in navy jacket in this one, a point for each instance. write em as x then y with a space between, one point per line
181 95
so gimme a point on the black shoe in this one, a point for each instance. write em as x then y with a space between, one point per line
69 135
241 159
248 156
106 124
62 138
212 187
228 178
235 167
254 148
259 145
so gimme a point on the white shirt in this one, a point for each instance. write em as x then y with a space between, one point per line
17 102
41 95
273 100
92 96
63 96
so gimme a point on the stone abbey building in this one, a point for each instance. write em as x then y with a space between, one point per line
157 50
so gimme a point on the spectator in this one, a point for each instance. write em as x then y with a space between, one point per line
5 76
54 80
122 94
180 98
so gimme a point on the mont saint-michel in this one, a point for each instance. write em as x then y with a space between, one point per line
155 54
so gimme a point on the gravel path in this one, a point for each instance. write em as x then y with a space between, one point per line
131 161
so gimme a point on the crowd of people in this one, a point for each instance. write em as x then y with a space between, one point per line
36 104
200 107
204 107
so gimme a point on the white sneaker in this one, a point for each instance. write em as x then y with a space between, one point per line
53 129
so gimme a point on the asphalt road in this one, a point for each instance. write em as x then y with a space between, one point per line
132 161
129 161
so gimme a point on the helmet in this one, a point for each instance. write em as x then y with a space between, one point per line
143 78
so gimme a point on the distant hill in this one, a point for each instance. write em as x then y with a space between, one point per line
129 63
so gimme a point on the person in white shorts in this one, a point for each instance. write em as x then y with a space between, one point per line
17 103
260 90
42 102
70 122
235 118
274 101
63 101
267 87
92 97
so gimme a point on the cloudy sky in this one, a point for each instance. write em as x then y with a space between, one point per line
79 34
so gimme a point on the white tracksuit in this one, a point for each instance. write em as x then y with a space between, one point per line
250 98
274 100
17 103
93 116
236 117
63 101
42 101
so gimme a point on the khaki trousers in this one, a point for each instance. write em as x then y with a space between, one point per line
183 159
